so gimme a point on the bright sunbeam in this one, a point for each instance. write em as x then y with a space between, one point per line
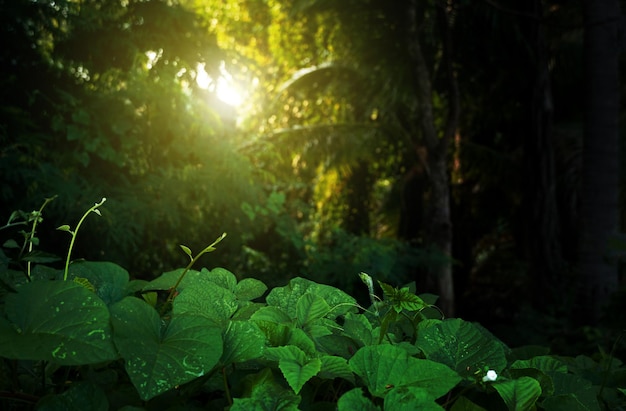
225 87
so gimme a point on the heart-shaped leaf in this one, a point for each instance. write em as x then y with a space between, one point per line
385 366
294 365
57 321
160 355
243 341
520 394
461 345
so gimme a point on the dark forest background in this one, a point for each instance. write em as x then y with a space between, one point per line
471 147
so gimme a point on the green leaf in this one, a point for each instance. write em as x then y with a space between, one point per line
266 395
40 257
243 341
57 321
85 283
221 277
287 297
158 355
520 394
64 227
402 299
460 345
565 402
186 250
276 334
355 400
310 307
382 366
206 299
335 367
249 288
295 366
574 385
79 397
271 314
302 340
109 280
358 327
547 387
410 399
543 363
10 244
169 279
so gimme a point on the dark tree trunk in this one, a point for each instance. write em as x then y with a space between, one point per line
600 179
438 222
357 217
542 217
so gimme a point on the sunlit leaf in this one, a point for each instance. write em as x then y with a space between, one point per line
287 297
187 250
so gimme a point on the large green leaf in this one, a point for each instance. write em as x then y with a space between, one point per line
243 341
221 277
565 402
310 307
159 355
287 297
355 400
410 399
207 299
462 346
574 386
57 321
520 394
385 366
335 367
266 395
543 363
359 328
249 289
109 280
294 364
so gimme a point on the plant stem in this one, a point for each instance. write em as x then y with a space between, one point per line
208 249
226 388
29 239
93 209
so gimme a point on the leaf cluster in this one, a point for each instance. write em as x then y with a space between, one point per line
205 339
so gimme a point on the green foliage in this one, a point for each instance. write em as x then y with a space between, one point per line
299 346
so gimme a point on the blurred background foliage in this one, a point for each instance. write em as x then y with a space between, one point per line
321 171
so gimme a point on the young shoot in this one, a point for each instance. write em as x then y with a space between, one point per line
192 261
30 239
65 227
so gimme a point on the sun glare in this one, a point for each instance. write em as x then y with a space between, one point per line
224 87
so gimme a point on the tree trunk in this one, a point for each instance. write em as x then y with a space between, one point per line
600 180
439 224
542 217
357 217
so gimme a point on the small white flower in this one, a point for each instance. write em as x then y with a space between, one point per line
491 376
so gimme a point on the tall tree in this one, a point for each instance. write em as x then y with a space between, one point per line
437 141
600 184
